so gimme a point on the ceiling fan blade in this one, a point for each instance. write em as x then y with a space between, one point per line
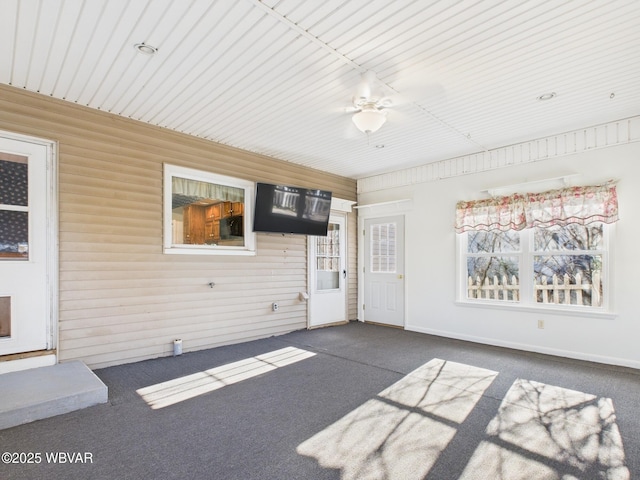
369 86
422 91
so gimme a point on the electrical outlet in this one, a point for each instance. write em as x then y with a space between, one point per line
541 324
275 306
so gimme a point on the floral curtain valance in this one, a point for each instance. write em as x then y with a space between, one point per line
581 205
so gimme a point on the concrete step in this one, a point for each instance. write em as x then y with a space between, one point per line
44 392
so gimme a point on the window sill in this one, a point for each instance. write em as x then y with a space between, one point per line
208 251
551 310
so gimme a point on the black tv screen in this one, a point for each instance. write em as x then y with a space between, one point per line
286 209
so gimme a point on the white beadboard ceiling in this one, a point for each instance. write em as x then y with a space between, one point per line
274 76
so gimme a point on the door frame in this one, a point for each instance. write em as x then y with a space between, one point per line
371 212
51 257
344 280
339 207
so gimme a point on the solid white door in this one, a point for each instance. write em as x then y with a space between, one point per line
384 270
328 273
24 306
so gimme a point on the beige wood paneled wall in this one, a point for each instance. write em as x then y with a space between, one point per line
121 298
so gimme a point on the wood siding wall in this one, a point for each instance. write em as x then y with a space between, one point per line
121 298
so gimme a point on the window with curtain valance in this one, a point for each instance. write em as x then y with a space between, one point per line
206 213
579 205
543 250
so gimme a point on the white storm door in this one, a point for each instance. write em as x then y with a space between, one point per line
384 270
24 304
328 274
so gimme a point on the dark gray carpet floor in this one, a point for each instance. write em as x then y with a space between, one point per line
251 429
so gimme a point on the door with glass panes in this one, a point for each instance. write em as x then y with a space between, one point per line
24 302
328 275
384 270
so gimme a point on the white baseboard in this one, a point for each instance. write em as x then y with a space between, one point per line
622 362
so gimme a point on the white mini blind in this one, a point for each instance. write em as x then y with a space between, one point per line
383 248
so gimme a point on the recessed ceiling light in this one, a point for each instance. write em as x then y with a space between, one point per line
380 146
612 95
547 96
146 49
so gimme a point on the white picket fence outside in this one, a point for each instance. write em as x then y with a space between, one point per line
496 290
560 291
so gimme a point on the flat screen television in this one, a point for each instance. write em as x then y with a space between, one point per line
287 209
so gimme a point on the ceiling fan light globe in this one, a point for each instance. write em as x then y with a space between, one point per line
369 121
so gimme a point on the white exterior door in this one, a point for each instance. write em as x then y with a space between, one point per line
25 304
384 270
328 274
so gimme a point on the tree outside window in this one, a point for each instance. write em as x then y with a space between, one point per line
538 248
564 265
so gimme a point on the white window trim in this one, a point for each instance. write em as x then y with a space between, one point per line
527 303
249 247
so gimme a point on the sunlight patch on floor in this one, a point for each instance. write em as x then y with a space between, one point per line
448 390
180 389
401 433
542 427
540 431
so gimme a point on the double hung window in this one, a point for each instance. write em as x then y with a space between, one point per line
544 250
493 265
562 265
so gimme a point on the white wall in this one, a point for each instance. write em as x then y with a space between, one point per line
431 262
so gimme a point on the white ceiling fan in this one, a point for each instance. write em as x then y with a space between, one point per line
368 105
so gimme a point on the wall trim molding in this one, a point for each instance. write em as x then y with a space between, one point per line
606 135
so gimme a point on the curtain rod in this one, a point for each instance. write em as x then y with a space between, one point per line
518 187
